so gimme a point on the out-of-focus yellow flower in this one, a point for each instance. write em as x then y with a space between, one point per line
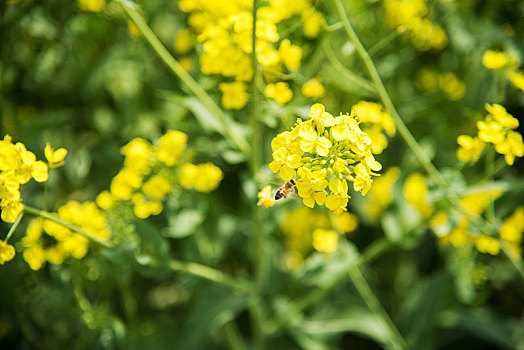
144 208
499 60
487 244
134 31
452 86
313 22
157 187
517 79
7 252
280 92
416 193
470 148
170 147
203 177
183 41
345 222
186 63
92 5
234 95
265 197
325 241
86 216
511 232
54 158
105 200
290 55
313 88
476 203
427 79
381 194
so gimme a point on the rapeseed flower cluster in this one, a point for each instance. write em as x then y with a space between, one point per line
17 166
225 31
429 80
497 128
411 17
326 153
507 62
150 172
306 230
92 5
48 241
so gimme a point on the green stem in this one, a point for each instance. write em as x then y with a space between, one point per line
210 274
517 263
54 218
233 336
233 137
386 100
489 171
376 249
395 338
383 42
257 313
339 67
13 227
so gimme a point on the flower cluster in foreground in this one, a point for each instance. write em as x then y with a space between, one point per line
326 153
497 128
151 170
17 167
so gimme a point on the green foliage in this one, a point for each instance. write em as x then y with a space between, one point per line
212 270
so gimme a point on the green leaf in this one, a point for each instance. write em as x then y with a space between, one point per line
184 224
213 307
423 302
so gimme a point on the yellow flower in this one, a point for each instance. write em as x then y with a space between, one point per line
311 187
137 153
511 232
234 95
470 148
381 194
325 241
511 147
517 79
265 197
452 86
34 256
39 171
157 187
92 5
487 244
338 199
54 158
171 146
345 222
7 252
285 163
203 177
183 41
144 208
498 60
313 22
280 92
290 55
311 142
105 200
313 88
416 193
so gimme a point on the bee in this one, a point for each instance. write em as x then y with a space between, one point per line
286 189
